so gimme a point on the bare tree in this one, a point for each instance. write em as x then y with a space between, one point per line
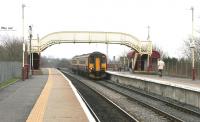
11 49
54 62
187 50
163 54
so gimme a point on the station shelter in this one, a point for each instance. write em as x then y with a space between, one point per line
143 62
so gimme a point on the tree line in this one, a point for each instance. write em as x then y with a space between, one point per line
54 62
11 49
186 52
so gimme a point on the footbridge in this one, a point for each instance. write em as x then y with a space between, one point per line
39 45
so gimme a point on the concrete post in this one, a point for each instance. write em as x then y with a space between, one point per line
132 64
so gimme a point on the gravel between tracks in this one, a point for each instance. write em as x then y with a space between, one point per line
161 105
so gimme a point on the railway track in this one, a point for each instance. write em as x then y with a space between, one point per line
102 108
170 110
172 103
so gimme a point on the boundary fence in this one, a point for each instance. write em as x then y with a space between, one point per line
9 70
181 69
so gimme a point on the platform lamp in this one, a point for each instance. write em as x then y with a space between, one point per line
192 44
30 59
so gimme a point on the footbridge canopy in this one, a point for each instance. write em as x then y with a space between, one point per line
144 47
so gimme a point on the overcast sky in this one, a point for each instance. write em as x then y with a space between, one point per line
170 21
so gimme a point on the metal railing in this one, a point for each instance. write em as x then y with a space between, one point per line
144 47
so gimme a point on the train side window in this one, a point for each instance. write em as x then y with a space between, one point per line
91 59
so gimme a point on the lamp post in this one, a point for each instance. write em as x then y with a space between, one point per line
23 6
30 37
192 45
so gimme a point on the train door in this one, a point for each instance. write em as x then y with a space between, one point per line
103 63
97 64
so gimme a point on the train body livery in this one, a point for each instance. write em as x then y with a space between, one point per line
93 65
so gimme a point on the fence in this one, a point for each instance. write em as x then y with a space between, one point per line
181 69
9 70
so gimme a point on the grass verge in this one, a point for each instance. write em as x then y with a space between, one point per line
8 82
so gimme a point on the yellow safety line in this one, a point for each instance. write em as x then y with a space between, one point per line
38 110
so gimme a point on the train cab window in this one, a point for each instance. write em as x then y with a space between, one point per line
103 60
91 59
81 62
74 61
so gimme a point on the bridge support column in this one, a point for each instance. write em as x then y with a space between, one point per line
147 62
128 64
134 59
132 66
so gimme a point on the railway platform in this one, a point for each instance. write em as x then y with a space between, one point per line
186 91
167 80
17 99
59 101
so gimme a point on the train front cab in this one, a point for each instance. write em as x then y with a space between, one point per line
97 66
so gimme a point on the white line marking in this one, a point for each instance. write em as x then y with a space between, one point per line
86 110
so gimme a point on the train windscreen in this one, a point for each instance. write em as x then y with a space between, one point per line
91 60
103 60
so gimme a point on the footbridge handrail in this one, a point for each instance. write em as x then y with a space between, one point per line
92 37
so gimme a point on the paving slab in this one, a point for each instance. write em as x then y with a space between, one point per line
58 102
18 99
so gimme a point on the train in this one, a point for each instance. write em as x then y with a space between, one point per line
93 65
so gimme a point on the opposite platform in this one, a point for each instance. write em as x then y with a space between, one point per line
183 90
185 83
59 101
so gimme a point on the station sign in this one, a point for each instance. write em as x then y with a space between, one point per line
5 28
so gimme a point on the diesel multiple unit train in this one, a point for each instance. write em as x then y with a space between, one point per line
93 65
